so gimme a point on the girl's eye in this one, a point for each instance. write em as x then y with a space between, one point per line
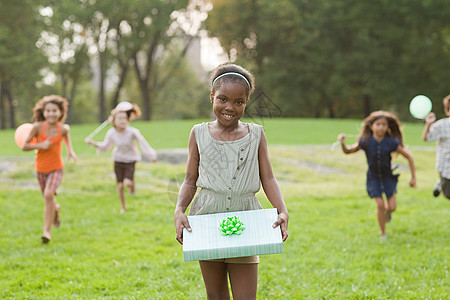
239 102
222 99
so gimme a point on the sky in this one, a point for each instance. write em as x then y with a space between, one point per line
212 53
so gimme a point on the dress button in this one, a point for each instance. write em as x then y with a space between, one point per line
238 168
242 158
234 177
229 198
228 208
242 149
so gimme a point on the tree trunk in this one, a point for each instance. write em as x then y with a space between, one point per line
2 106
71 100
366 105
101 96
64 86
143 85
331 112
123 74
12 119
146 100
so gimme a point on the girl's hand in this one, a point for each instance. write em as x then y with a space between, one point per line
430 118
45 144
412 182
181 221
73 156
282 221
89 142
341 138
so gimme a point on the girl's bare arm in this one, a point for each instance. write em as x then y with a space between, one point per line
347 150
188 189
271 187
34 133
408 156
66 135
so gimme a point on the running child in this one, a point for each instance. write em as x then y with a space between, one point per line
381 136
440 131
49 129
228 160
125 154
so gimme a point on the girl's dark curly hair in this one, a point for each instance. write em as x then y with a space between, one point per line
394 126
39 107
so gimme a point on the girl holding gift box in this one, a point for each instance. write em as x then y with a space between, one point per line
125 154
49 130
380 136
228 160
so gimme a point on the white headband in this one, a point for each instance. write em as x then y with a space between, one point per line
232 73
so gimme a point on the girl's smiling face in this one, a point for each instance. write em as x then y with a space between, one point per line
52 113
229 102
379 128
121 121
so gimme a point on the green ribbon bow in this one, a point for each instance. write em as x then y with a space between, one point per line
231 225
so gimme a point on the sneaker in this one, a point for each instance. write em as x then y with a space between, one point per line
437 188
388 216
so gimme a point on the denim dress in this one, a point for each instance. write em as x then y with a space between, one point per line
379 175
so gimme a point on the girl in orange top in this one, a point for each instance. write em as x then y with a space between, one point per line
49 129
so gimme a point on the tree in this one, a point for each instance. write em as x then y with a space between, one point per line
337 58
20 60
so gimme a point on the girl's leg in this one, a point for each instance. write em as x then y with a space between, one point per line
215 278
130 185
57 220
381 215
244 280
391 205
49 211
120 190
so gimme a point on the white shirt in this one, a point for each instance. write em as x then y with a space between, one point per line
440 132
125 143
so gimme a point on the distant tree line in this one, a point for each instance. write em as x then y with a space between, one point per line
346 58
313 58
95 54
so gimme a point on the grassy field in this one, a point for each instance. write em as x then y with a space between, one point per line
333 250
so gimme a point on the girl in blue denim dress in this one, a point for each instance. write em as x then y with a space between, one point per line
380 136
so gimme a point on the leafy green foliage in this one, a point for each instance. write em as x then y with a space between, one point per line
338 58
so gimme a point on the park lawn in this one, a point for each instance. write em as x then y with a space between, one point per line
174 134
333 250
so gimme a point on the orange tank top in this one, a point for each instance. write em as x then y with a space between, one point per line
51 159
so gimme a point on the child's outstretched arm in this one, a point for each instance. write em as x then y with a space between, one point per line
68 141
187 190
429 119
271 187
147 151
408 156
102 146
347 150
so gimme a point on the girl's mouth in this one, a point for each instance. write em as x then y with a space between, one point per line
227 116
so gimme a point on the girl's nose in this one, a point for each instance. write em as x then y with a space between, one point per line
229 106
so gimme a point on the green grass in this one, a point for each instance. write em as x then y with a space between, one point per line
173 134
333 250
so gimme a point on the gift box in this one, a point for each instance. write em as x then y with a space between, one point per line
207 242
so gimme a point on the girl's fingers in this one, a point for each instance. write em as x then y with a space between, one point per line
183 223
282 222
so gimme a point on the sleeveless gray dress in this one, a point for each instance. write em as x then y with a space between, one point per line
228 172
